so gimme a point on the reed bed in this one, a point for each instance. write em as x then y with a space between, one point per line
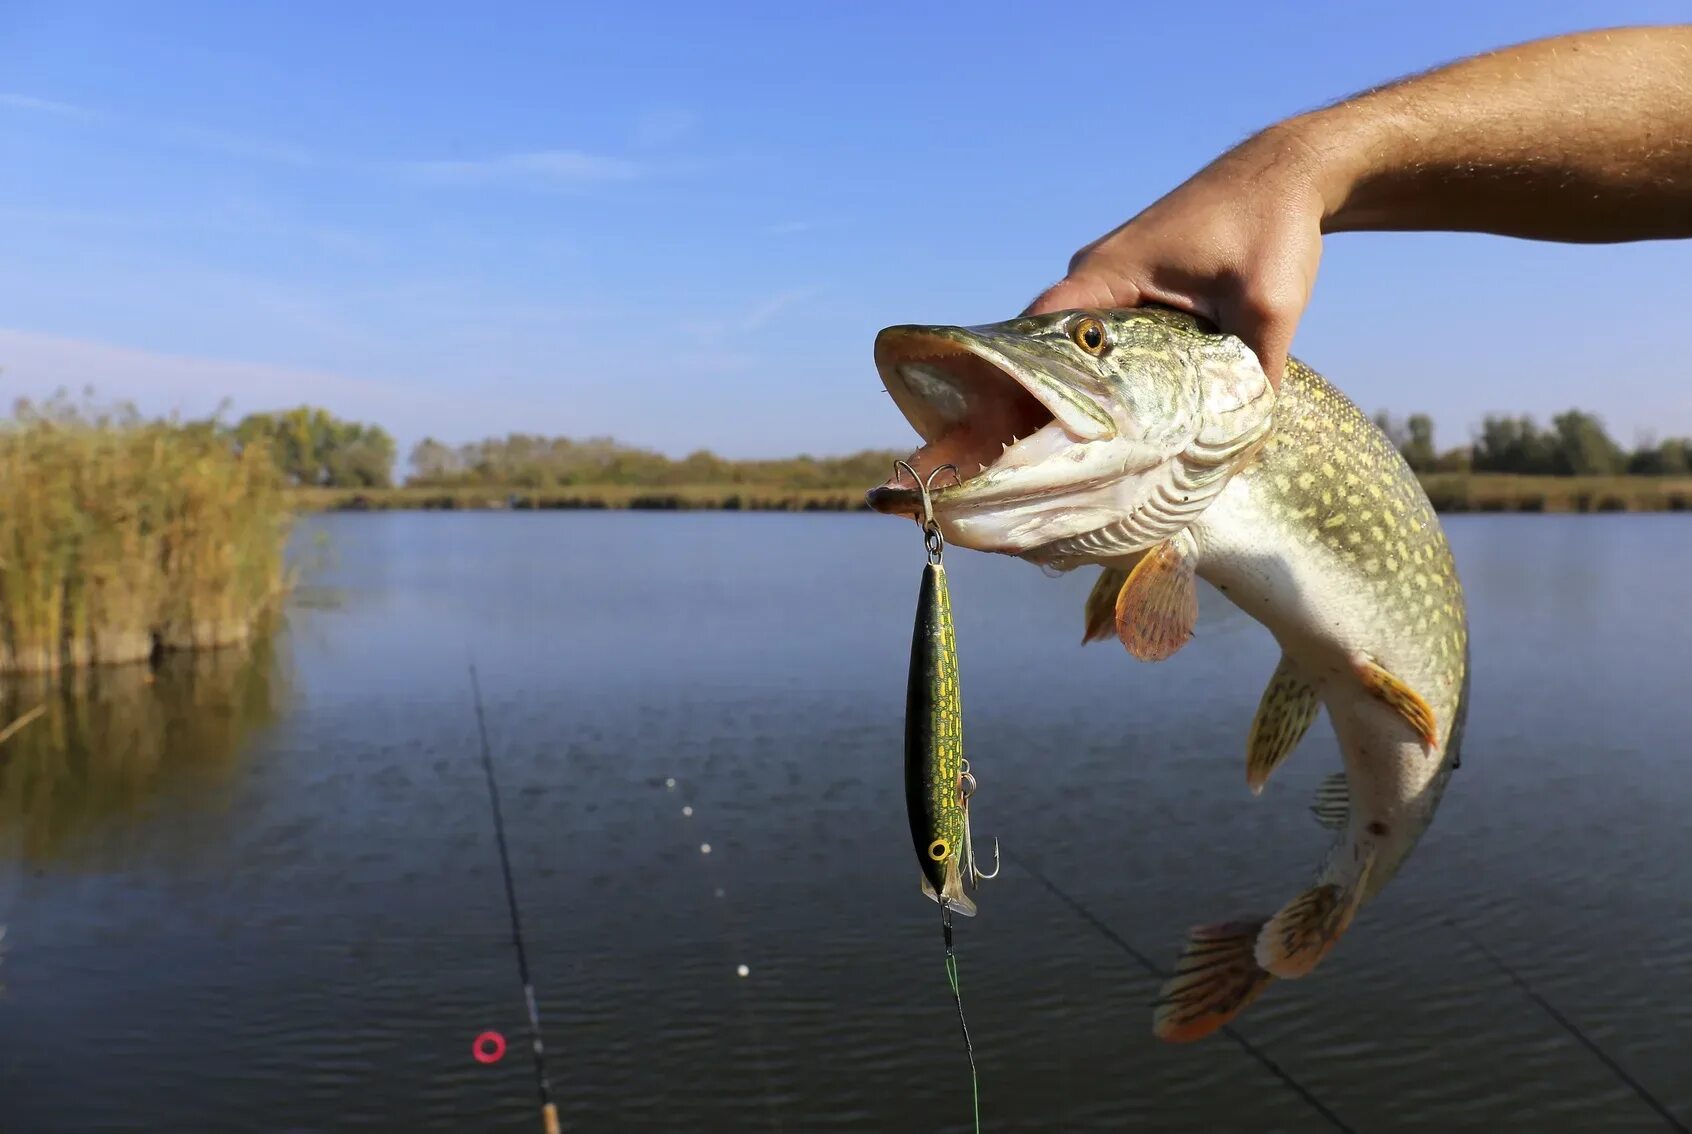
121 538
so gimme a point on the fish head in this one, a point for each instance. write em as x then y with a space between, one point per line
1064 425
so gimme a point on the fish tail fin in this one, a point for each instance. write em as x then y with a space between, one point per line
1215 979
1307 928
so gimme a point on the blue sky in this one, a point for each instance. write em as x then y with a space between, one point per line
682 224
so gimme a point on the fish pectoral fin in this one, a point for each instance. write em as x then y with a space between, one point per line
1398 694
1215 979
1284 715
1101 604
1332 805
1158 605
1296 939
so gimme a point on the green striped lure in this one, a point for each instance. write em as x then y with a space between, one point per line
938 783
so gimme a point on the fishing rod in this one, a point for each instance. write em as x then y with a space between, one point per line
1151 967
549 1112
1572 1028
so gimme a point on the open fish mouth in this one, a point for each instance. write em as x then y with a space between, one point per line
975 408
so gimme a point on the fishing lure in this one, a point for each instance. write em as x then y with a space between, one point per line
938 783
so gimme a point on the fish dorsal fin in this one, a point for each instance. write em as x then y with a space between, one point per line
1158 605
1284 715
1397 693
1332 804
1101 604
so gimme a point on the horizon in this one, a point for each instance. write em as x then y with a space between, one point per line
687 239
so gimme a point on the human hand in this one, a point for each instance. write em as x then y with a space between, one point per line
1238 243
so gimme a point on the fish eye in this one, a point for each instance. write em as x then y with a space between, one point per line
937 850
1089 335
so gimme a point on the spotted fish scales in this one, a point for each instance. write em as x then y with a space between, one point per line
1146 443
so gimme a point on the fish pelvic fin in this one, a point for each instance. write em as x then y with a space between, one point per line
1399 696
1157 607
1302 932
1332 804
1284 715
1215 979
1101 604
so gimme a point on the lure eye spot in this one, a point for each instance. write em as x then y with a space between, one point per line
938 849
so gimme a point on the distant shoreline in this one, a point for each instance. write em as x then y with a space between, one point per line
1449 492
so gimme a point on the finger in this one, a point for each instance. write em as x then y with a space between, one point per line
1265 328
1272 355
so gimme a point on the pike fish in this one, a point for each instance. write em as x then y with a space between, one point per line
1144 442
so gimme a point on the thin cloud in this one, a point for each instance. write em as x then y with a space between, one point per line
755 317
761 314
15 101
663 126
217 141
241 145
34 365
541 169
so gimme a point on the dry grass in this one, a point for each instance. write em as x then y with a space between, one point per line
120 537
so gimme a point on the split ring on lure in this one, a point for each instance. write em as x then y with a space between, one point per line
938 783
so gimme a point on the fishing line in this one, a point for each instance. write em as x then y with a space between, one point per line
957 998
1151 967
549 1112
1569 1026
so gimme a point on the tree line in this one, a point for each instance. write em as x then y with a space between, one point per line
523 460
1576 444
312 447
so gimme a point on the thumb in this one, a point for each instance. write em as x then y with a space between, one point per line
1082 291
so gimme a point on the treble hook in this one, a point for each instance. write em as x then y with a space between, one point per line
966 788
975 872
931 536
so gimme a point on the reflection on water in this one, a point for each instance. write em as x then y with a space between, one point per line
110 742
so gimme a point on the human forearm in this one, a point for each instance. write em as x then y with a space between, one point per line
1584 137
1580 138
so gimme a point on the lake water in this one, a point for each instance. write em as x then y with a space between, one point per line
265 896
